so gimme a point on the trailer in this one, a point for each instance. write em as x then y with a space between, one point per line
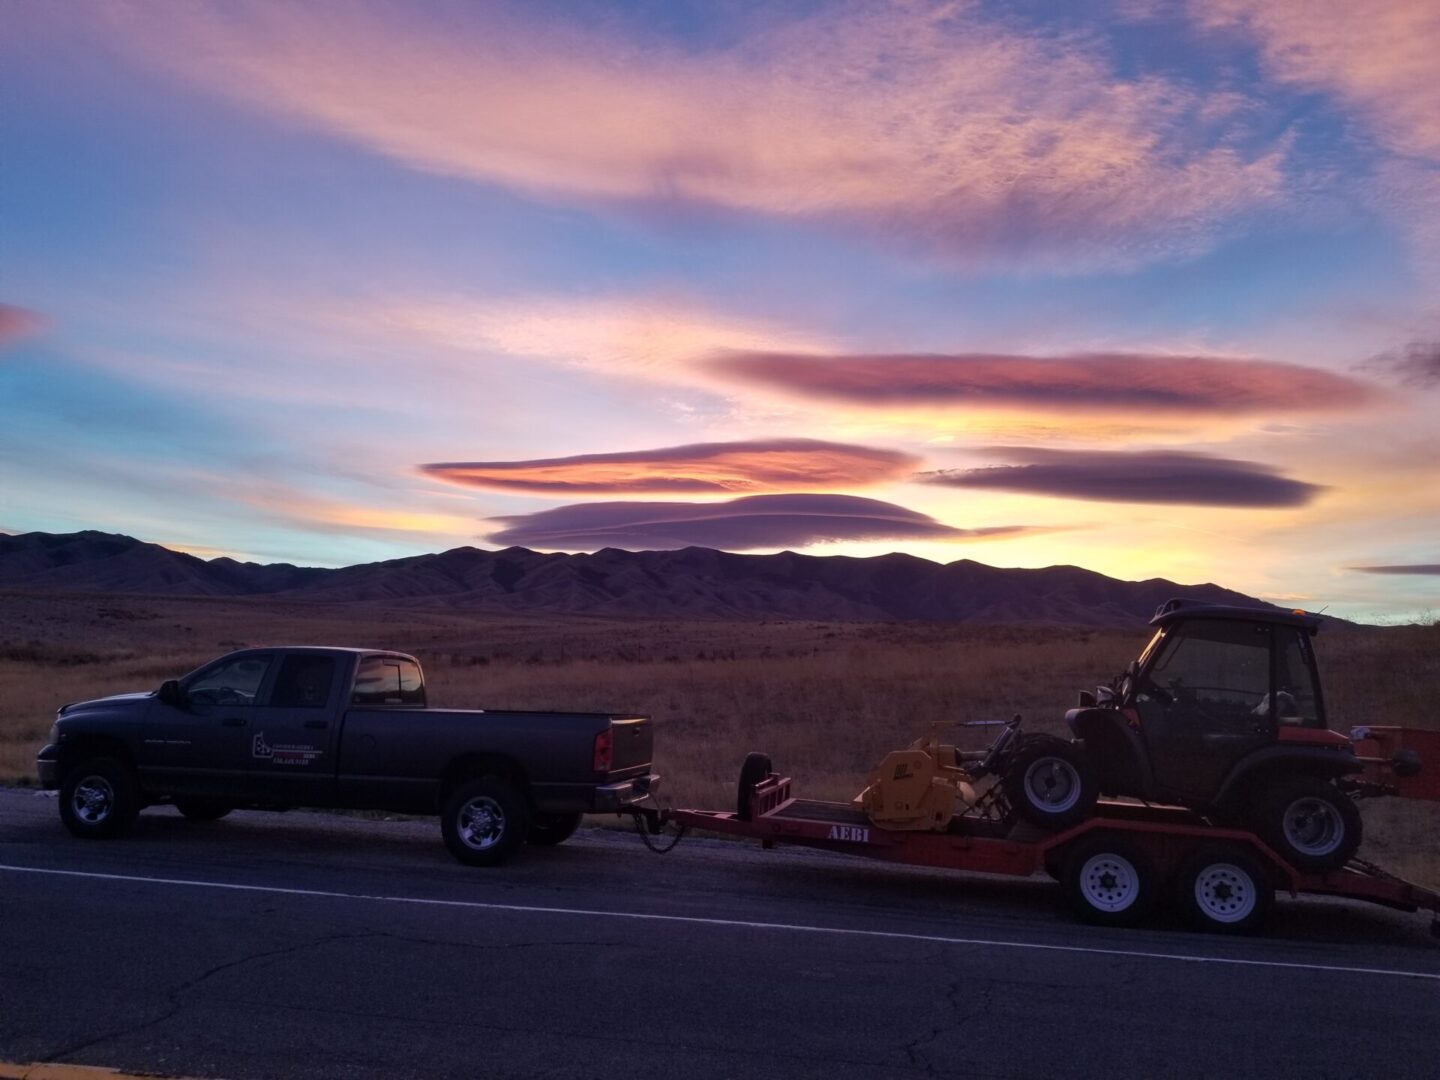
1114 867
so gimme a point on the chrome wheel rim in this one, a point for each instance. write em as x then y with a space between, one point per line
93 800
1313 826
1225 893
1109 882
1052 784
481 823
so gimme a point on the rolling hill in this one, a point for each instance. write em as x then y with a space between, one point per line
688 583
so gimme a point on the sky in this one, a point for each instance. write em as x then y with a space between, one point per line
1146 286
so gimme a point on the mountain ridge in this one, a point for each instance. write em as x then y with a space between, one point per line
687 582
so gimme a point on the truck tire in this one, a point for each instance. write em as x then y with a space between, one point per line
1225 889
1309 822
756 768
547 830
202 809
485 821
1050 782
1109 881
99 798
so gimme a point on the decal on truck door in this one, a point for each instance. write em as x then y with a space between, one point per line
283 753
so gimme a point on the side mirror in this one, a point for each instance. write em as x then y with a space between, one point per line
171 694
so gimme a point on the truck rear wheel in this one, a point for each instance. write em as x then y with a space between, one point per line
1222 887
485 821
547 830
1109 881
202 809
99 798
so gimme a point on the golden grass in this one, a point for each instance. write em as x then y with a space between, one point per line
825 700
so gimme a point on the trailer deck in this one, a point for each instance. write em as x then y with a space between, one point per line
1166 839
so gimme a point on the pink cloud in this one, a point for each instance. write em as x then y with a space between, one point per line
17 323
1083 382
733 467
927 123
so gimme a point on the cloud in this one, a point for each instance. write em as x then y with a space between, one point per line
725 467
927 123
17 323
1084 382
1136 477
756 521
1416 364
1403 568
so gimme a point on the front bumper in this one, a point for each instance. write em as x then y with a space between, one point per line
47 764
625 793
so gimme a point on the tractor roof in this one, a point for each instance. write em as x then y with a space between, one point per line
1174 610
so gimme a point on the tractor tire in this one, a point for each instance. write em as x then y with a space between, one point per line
1309 822
1109 881
485 821
202 809
99 798
1050 782
547 830
1225 889
756 768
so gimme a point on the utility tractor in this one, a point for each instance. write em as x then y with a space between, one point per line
1222 714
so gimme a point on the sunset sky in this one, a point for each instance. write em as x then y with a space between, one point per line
1151 288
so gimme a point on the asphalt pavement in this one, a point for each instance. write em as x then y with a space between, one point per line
317 945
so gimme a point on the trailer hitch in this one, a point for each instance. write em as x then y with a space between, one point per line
650 822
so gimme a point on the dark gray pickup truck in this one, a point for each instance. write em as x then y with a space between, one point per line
329 727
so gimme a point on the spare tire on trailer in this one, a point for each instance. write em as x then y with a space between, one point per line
756 768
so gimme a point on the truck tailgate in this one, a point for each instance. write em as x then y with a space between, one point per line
634 742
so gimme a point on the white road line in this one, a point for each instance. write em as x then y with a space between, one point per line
748 924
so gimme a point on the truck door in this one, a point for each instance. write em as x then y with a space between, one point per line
1204 703
292 762
201 746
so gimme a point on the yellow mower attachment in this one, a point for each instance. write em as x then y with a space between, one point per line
917 788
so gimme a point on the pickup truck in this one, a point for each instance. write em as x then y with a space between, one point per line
274 728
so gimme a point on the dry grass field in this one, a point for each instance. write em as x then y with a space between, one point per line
825 700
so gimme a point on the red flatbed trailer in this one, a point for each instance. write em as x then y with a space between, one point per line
1158 843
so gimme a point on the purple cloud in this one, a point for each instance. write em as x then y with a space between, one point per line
724 467
756 521
1133 476
1415 364
1401 568
1088 382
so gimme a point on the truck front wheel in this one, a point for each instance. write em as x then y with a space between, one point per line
99 798
485 821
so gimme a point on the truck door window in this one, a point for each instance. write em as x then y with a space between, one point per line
230 682
303 682
388 680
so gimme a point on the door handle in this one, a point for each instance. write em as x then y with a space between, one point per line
318 724
234 721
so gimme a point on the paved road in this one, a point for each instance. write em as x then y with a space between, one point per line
307 945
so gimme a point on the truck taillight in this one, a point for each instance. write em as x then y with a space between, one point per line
604 750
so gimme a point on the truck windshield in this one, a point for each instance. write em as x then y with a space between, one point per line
388 680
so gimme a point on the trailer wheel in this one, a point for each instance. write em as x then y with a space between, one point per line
99 798
1109 881
202 809
756 768
1050 783
485 821
1223 888
547 830
1309 822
